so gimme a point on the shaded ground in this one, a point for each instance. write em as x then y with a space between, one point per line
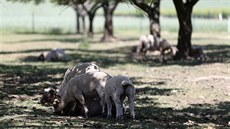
184 94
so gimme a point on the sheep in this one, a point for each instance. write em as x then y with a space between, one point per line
198 53
151 43
77 70
87 84
53 55
49 94
117 88
93 104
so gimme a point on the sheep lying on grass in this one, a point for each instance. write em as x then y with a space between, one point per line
87 84
117 88
53 55
198 53
49 93
151 43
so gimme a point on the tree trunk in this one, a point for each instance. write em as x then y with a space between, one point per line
153 11
91 7
83 23
91 18
154 18
108 25
184 13
77 22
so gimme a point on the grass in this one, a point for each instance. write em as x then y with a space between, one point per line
178 94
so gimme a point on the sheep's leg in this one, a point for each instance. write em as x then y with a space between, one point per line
118 104
109 106
162 51
81 99
122 102
131 106
100 91
131 95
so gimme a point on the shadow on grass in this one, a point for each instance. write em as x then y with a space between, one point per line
20 79
58 39
123 55
195 115
28 79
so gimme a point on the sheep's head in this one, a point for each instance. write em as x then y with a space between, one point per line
41 57
49 95
174 50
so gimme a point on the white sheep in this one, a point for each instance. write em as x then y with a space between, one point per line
151 43
87 84
117 88
49 94
55 54
77 70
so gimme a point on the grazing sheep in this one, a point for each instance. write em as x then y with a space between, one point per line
87 84
53 55
93 104
117 88
49 94
78 70
151 43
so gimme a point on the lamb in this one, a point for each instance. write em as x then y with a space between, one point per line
87 84
151 43
53 55
49 94
117 88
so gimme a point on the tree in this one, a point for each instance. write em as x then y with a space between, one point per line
80 13
108 8
184 13
91 7
152 9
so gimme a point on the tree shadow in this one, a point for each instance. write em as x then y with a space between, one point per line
194 116
62 40
124 55
28 79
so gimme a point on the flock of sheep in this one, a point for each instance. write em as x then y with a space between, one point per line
87 91
146 43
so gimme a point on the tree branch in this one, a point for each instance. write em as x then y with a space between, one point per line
141 5
191 3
